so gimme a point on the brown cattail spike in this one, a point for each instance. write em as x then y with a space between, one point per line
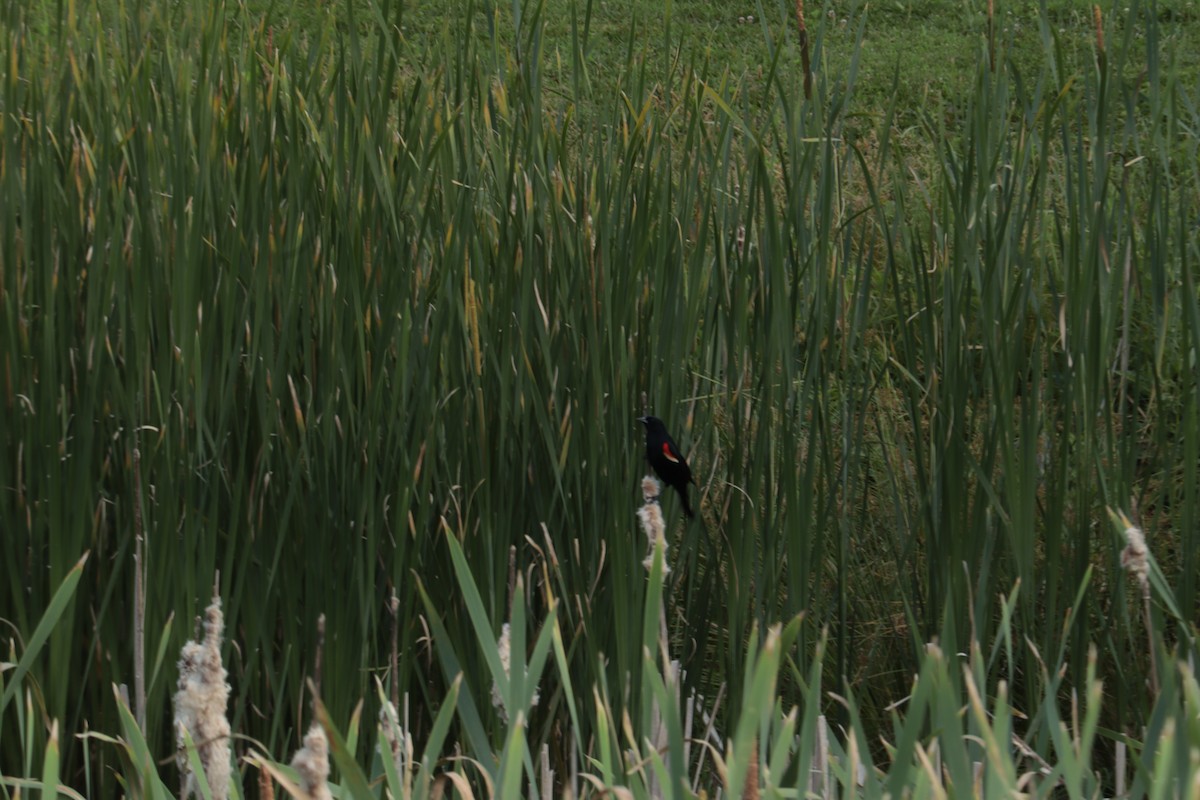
316 695
804 60
750 786
991 35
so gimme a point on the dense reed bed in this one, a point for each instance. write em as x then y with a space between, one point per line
357 327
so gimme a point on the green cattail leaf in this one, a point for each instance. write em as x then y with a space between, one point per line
50 763
441 726
478 615
39 786
353 779
781 751
164 640
139 753
513 758
604 760
196 766
667 700
541 652
58 605
757 704
452 671
395 784
352 732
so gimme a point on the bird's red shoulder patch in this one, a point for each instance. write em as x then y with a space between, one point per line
669 453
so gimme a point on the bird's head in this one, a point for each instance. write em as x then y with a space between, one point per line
652 423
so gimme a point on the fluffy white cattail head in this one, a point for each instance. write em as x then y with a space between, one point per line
504 645
1135 558
200 702
653 524
311 763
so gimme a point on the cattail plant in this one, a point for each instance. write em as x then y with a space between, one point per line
200 703
504 648
356 280
802 32
397 740
1135 559
311 763
653 525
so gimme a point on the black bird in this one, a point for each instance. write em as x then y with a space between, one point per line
663 454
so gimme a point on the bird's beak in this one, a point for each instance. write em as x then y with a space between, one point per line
642 420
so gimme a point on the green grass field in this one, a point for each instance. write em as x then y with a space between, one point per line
346 314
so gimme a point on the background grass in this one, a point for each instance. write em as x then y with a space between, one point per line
352 281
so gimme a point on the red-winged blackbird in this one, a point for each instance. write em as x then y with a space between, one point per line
663 454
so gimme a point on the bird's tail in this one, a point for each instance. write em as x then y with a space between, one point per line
687 509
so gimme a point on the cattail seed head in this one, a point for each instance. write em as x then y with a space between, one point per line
653 524
200 702
1135 556
311 763
504 646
